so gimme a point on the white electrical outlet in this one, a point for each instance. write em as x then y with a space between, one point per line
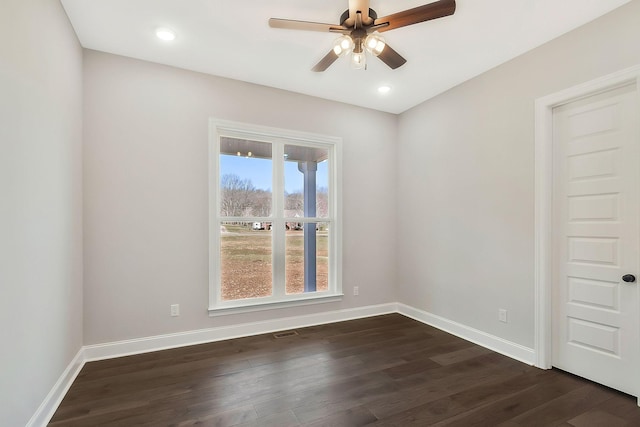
502 315
356 291
175 310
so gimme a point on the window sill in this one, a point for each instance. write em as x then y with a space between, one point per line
271 305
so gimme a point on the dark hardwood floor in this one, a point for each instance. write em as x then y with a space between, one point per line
381 371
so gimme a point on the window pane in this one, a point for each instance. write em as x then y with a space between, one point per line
245 178
245 256
306 170
315 269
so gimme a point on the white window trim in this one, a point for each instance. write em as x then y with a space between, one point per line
218 128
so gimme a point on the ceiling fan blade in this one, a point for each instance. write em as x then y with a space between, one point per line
356 6
290 24
418 14
325 62
392 58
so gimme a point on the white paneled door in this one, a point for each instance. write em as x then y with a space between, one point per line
596 238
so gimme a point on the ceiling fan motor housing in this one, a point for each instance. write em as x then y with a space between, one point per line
372 14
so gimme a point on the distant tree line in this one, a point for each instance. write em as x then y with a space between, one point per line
240 198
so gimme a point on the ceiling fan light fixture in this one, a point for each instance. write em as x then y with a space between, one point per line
343 45
374 43
358 60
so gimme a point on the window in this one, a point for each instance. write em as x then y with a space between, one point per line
274 218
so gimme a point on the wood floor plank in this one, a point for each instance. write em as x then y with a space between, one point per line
381 371
524 395
597 418
370 385
410 397
565 407
348 396
623 406
281 419
355 417
460 355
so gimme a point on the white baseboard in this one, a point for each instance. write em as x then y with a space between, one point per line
48 407
492 342
162 342
201 336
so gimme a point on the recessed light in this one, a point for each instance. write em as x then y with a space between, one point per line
166 34
384 89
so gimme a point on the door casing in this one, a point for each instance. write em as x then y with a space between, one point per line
544 200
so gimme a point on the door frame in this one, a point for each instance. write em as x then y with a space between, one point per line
543 278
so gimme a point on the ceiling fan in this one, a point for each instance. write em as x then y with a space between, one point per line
360 28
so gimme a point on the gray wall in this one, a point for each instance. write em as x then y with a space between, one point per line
145 197
466 179
40 203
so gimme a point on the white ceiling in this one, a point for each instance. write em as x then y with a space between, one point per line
233 39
